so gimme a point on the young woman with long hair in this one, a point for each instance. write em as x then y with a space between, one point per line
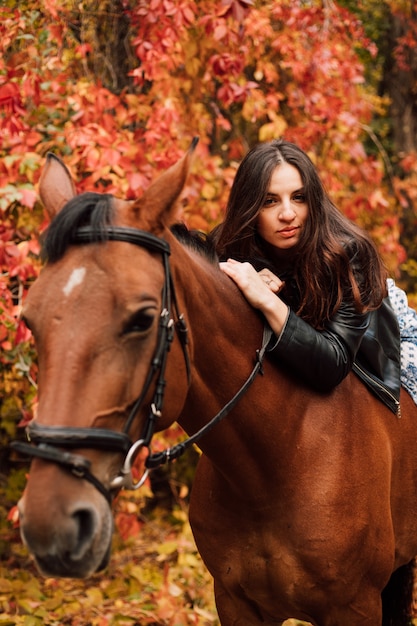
316 277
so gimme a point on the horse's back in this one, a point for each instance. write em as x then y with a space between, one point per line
403 439
322 503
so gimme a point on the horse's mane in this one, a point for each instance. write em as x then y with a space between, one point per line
196 240
87 209
97 210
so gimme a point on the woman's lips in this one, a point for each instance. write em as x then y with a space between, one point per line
288 232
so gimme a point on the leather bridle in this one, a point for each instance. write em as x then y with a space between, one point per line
53 443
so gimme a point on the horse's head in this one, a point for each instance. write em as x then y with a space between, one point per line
104 316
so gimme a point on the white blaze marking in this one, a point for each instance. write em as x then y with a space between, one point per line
75 279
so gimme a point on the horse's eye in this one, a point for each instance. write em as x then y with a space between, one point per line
140 322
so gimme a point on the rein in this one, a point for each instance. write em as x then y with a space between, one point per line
46 442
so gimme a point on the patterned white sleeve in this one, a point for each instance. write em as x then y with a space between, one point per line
407 322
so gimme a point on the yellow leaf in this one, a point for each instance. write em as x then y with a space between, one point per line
169 547
273 130
209 191
95 596
5 586
192 67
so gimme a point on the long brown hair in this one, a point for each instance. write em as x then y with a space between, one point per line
334 259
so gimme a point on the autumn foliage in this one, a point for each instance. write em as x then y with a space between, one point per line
118 89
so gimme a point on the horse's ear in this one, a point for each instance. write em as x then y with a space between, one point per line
158 201
56 186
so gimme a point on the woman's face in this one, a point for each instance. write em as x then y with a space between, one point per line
282 218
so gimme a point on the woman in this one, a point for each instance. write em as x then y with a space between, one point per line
316 277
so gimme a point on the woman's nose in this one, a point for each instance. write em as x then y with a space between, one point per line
286 211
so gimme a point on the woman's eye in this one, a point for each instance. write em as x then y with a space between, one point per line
299 197
270 201
140 322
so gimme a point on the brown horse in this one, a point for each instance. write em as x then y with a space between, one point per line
304 504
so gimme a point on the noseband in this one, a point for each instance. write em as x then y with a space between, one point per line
53 443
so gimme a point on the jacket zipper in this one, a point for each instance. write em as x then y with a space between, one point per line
381 387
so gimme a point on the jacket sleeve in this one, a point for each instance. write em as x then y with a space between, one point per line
321 358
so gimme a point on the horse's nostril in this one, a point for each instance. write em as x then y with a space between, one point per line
84 520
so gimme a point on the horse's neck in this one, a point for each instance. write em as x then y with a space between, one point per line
264 428
221 321
225 333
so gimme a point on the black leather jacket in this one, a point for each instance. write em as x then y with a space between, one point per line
368 344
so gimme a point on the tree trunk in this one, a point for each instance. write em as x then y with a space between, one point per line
400 80
105 27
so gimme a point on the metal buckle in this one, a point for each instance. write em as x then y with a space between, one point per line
125 478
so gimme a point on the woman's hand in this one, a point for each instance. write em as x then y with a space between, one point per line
255 286
260 290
